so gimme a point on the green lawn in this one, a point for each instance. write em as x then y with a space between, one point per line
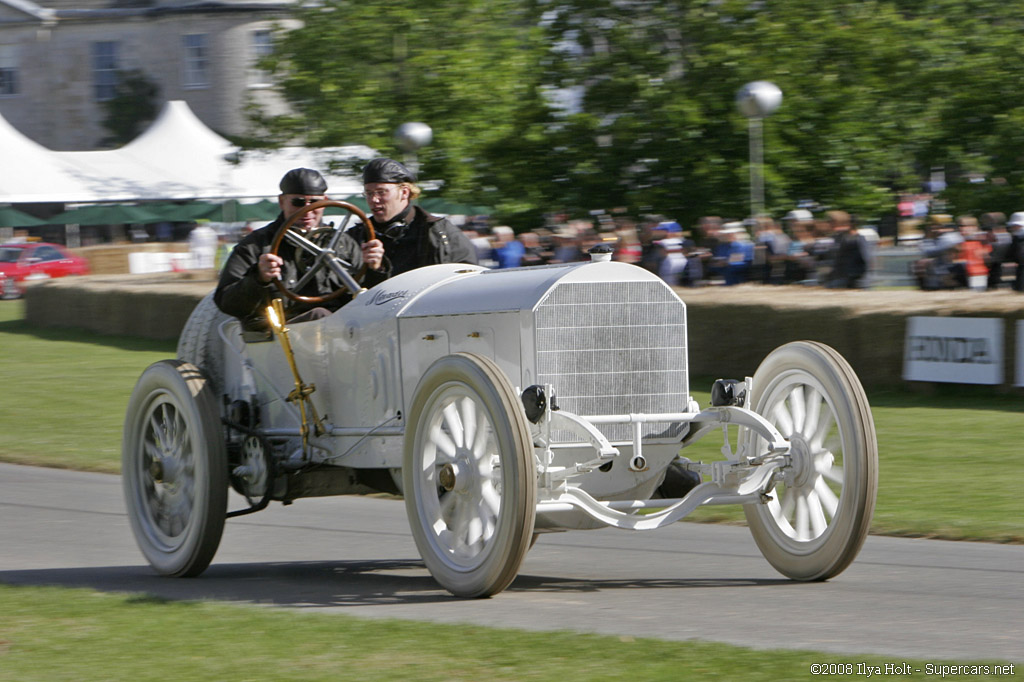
56 635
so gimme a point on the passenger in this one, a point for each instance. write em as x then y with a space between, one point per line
407 236
246 283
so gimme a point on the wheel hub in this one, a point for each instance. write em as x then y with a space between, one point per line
164 470
453 477
801 462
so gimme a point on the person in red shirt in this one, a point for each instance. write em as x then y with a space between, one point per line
972 254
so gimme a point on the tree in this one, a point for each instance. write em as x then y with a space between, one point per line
355 71
594 104
133 106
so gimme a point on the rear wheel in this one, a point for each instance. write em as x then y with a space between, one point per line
174 468
469 477
821 509
200 343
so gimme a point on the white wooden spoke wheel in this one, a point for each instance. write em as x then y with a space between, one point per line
174 468
469 476
821 507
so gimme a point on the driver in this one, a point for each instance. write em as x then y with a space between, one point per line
247 279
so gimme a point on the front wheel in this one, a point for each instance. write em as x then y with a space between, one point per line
469 476
174 468
821 507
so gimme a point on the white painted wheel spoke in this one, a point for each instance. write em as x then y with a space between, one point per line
783 420
822 430
444 444
802 523
818 522
834 474
447 504
832 445
468 414
788 504
474 531
828 499
490 499
813 402
483 437
454 424
798 407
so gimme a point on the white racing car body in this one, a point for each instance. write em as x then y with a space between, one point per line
501 404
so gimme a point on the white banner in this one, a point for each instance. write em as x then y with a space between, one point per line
1019 378
959 350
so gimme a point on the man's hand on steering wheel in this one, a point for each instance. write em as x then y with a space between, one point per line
269 267
324 256
373 254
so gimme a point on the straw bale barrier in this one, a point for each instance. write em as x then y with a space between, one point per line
112 259
153 306
731 329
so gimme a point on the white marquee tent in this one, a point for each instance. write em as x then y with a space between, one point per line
176 158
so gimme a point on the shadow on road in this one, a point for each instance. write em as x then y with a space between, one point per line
325 584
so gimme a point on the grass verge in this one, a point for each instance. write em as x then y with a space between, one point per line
52 634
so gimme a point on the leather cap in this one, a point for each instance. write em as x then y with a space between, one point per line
303 181
387 170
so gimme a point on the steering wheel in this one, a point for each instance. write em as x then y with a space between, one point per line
323 256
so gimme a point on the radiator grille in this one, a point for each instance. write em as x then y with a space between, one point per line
613 348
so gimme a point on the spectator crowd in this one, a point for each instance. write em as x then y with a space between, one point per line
830 250
972 254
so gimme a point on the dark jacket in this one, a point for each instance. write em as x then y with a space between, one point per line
852 261
241 293
424 240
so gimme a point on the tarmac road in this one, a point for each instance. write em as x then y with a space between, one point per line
927 599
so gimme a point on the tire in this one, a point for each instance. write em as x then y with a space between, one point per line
174 468
821 510
200 344
467 430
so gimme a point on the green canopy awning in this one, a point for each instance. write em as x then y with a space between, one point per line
106 214
12 217
180 212
231 211
261 210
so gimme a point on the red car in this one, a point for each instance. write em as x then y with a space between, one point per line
28 262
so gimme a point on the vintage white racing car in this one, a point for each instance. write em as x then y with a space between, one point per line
501 404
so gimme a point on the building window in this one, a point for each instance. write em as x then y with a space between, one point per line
197 60
8 70
104 69
261 45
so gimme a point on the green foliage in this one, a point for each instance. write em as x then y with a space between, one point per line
356 71
132 108
876 94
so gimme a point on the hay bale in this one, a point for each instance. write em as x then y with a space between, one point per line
730 329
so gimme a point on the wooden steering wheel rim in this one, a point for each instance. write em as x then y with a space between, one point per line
279 237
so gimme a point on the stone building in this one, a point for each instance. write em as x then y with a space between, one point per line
61 60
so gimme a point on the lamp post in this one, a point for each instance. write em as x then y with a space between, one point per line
410 137
756 100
